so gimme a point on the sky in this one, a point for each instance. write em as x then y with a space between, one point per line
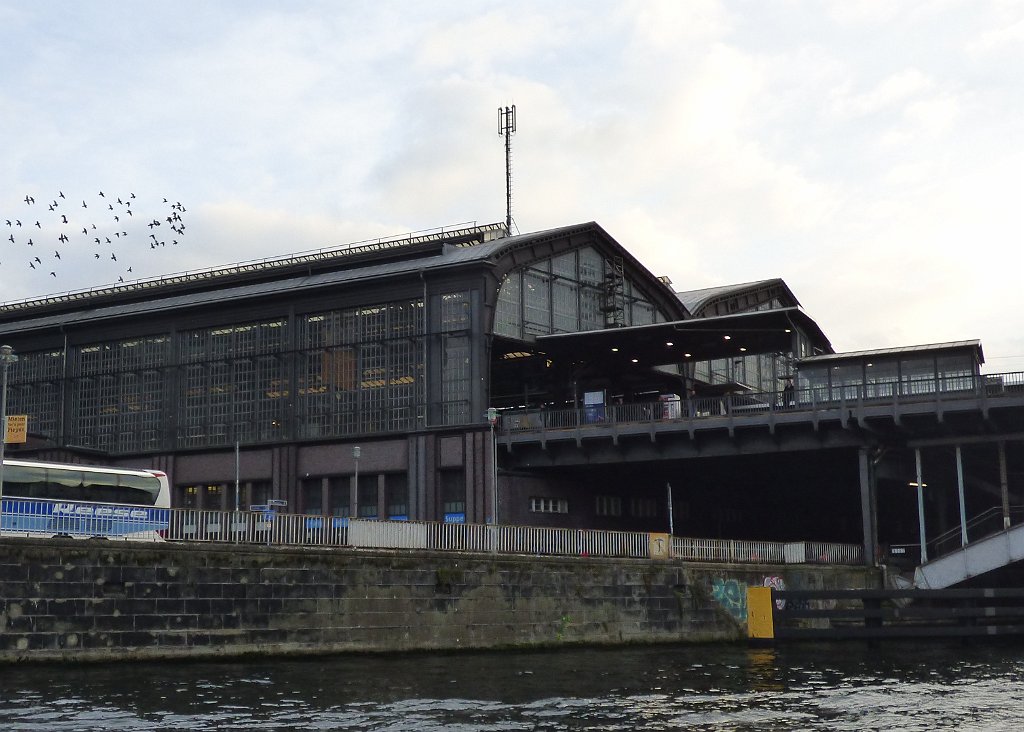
868 153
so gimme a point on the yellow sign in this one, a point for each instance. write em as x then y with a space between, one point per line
760 620
17 429
660 546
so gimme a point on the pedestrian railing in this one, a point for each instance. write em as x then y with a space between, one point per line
810 399
296 529
283 529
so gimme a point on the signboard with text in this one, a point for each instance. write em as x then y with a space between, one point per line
17 429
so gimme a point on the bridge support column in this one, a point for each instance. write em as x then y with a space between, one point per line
1004 485
868 506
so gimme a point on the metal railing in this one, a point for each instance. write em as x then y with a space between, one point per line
812 398
986 523
766 552
25 518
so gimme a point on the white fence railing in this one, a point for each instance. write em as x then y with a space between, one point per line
282 529
294 529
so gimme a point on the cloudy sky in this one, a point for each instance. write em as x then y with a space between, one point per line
869 153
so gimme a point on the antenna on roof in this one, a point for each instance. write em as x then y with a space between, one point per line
507 128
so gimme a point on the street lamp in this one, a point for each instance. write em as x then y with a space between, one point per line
492 418
7 357
356 452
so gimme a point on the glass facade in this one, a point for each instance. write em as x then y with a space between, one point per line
360 370
35 388
885 376
566 294
117 394
332 373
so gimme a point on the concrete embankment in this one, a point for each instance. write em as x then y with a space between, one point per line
77 601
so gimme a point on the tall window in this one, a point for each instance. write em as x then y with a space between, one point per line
456 360
118 394
34 389
233 384
563 294
360 370
396 496
453 495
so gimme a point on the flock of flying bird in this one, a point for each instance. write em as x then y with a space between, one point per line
110 226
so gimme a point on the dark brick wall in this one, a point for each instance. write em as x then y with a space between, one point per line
76 601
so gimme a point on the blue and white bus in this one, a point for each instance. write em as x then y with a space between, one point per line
54 499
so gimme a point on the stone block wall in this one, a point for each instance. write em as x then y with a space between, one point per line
67 600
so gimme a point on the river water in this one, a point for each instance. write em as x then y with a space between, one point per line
813 687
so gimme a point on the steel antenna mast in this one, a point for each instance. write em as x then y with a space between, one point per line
507 128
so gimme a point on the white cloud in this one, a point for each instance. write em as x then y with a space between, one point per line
864 151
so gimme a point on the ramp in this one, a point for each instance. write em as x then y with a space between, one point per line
978 557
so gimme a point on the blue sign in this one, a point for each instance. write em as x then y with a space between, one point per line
455 518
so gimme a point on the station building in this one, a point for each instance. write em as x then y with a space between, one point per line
357 381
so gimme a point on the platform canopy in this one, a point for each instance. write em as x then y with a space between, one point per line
682 341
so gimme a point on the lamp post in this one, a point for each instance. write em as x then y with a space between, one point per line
7 357
356 452
492 417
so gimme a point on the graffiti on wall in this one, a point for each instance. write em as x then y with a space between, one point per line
776 583
731 594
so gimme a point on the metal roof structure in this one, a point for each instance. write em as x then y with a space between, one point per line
974 345
329 268
696 300
696 339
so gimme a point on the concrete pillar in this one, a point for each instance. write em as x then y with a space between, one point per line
868 507
1004 484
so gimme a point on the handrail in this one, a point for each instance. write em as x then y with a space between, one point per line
40 517
983 519
813 399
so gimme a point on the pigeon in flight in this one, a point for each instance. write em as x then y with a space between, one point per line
30 200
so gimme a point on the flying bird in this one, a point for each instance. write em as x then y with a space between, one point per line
37 259
12 238
83 205
57 255
113 256
30 243
31 265
53 274
101 195
63 238
38 225
60 193
29 199
64 219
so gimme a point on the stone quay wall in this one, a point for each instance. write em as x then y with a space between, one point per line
64 600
